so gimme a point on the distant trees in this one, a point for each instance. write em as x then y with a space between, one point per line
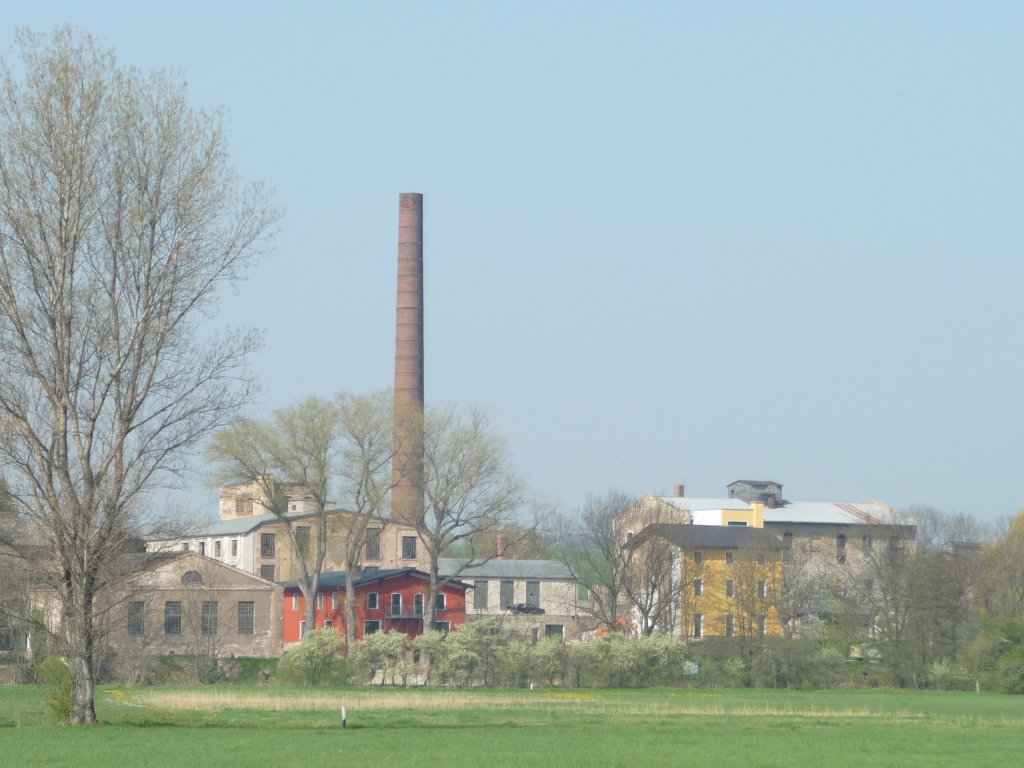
120 219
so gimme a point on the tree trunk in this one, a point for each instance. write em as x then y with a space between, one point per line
350 610
82 691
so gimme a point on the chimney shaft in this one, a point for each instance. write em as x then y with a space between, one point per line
679 490
407 477
502 545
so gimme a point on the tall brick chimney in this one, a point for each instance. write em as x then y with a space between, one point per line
407 473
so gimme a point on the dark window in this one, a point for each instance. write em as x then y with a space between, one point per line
533 594
202 547
762 588
191 577
246 618
268 544
787 547
441 603
209 617
371 601
442 626
730 558
234 547
867 543
698 587
507 594
373 544
217 548
136 617
730 587
396 604
698 557
698 625
841 548
762 625
302 539
267 572
319 601
479 594
737 524
369 627
761 559
172 617
554 630
730 625
417 604
408 547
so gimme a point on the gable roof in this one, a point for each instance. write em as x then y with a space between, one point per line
710 536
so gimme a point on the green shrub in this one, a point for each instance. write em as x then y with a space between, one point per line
316 661
55 672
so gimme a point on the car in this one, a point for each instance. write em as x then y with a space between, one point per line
528 609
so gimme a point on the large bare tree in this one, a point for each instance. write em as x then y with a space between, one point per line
470 493
339 452
120 219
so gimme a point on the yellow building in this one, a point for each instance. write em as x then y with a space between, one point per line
726 578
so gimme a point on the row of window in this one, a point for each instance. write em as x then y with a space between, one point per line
208 622
730 588
867 545
730 558
761 624
506 594
373 602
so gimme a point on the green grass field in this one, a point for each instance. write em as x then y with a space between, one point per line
279 726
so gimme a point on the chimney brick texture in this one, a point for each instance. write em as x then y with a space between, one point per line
407 477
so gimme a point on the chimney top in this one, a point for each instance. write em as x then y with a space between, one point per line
679 490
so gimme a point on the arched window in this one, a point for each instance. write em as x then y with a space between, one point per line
192 577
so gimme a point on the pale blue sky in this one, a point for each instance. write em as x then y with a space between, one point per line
665 242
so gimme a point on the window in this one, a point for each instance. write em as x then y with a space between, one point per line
234 547
867 543
267 572
302 539
246 617
762 625
841 548
535 632
396 604
582 592
737 524
371 601
507 594
136 617
408 547
191 577
370 627
373 544
698 557
787 547
172 617
554 630
268 543
533 594
730 625
813 543
202 547
209 622
479 594
320 601
761 559
698 625
698 587
217 549
442 602
302 629
417 604
334 601
443 626
762 588
730 587
730 558
328 623
184 547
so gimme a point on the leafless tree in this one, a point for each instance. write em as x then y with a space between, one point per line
591 545
470 492
119 221
339 447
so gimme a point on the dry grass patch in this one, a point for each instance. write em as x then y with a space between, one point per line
582 702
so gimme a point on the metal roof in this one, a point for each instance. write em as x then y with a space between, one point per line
702 505
338 579
507 569
836 512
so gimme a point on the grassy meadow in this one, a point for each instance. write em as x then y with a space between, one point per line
280 726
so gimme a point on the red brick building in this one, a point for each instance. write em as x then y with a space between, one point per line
391 600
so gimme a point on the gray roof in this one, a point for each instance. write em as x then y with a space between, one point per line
507 569
714 536
841 512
